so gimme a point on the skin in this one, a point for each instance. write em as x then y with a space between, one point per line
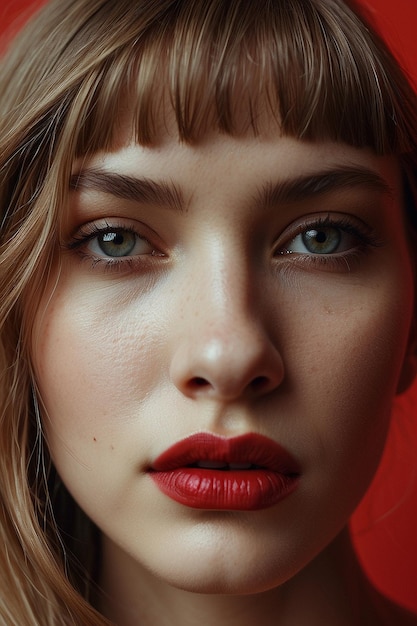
135 356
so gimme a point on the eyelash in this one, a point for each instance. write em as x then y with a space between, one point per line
90 232
334 260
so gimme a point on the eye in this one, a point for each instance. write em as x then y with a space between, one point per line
117 243
322 240
333 242
326 237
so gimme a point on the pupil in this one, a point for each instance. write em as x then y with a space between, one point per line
321 236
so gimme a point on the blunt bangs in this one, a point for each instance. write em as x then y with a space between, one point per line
309 65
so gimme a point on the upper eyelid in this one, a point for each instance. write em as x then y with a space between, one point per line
92 229
348 224
342 221
88 232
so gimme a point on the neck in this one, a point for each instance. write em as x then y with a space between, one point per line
330 590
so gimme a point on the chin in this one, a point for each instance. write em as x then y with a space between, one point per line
228 576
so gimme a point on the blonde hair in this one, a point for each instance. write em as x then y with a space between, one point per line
311 64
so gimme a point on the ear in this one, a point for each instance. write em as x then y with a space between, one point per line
409 368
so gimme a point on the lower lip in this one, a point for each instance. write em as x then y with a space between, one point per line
232 490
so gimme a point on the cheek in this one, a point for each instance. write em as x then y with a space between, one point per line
346 374
96 360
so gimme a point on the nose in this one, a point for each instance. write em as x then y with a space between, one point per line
224 350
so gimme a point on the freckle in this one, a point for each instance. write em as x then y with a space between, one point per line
94 439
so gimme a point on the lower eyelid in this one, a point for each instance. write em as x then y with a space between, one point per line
123 265
343 263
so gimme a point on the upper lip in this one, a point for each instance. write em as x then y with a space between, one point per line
250 448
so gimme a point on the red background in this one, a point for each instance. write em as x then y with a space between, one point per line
385 525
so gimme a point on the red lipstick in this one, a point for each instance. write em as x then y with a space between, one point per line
245 473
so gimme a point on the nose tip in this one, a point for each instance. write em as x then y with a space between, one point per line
227 367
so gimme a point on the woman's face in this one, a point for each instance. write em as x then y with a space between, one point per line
237 287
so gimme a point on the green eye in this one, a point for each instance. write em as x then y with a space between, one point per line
109 244
325 240
117 243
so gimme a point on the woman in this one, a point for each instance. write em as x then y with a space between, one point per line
207 278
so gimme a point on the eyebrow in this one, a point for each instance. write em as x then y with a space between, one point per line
144 190
336 179
161 193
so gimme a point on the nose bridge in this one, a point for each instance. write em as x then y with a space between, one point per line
224 349
222 298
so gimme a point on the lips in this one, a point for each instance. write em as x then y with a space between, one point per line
245 473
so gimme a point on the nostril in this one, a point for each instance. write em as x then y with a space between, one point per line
260 383
198 382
